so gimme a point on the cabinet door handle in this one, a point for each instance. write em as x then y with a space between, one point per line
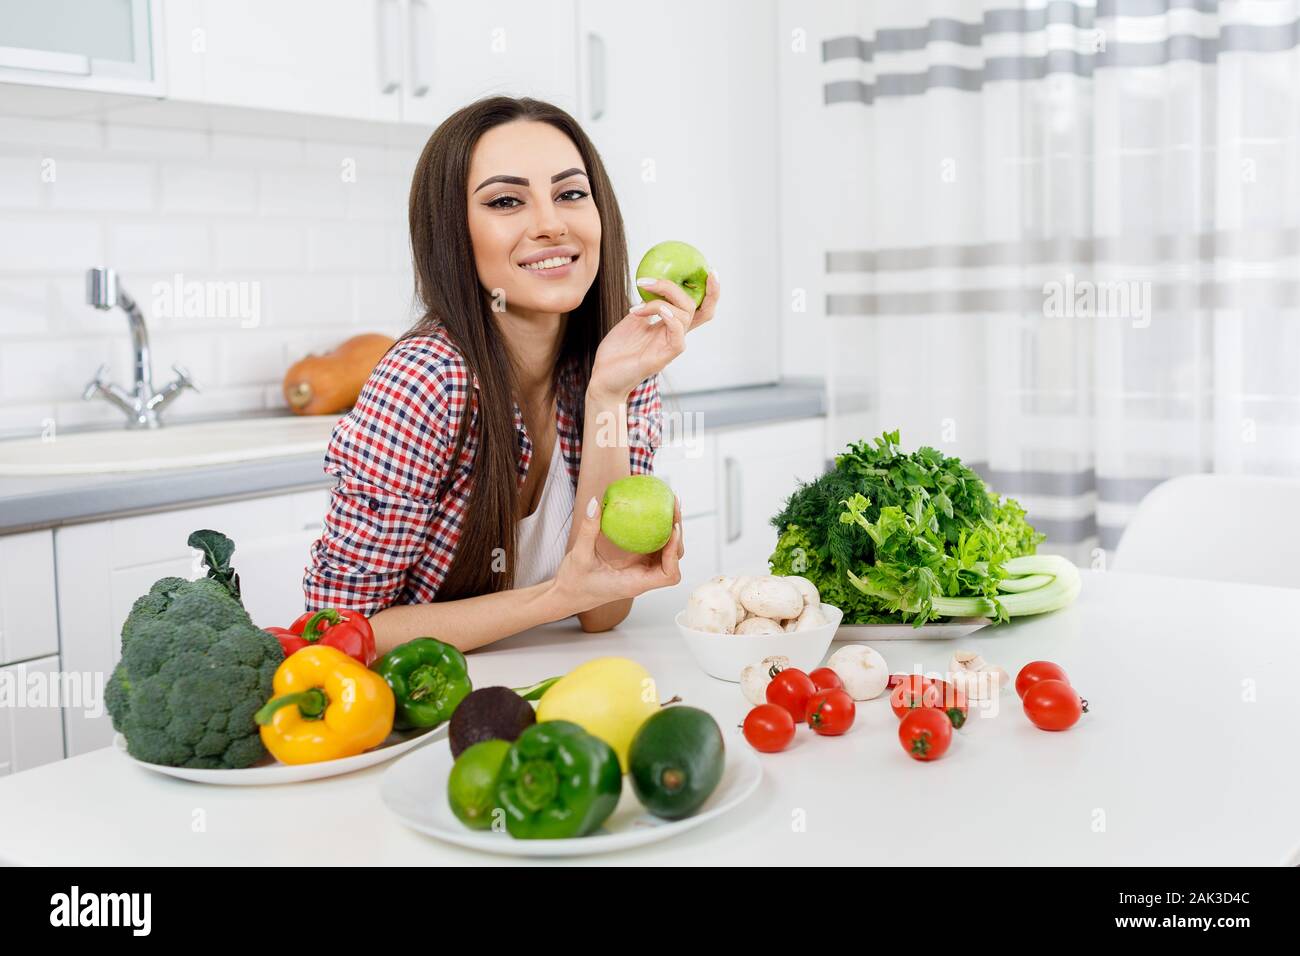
735 498
390 48
418 27
596 74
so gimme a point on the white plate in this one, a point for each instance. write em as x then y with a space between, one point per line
415 789
270 771
957 627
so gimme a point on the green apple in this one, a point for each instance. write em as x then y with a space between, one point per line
637 513
676 262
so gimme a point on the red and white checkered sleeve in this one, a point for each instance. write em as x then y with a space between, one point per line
389 456
644 426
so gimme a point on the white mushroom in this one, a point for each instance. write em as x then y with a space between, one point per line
755 678
810 617
863 671
725 580
974 677
712 609
737 584
806 589
758 625
772 597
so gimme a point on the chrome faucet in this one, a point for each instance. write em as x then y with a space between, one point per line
144 406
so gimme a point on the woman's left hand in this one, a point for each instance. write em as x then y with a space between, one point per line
650 336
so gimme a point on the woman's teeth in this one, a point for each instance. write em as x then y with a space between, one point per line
550 263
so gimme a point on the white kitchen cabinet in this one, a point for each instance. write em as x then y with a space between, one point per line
82 45
31 730
415 61
104 566
688 470
459 52
301 56
700 535
758 469
29 623
680 101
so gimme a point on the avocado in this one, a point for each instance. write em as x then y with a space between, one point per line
489 713
676 760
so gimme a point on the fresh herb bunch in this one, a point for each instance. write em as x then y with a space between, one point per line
885 535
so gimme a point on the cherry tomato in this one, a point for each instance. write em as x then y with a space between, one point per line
925 734
1053 705
769 728
824 678
913 680
831 712
791 689
952 702
1035 671
912 694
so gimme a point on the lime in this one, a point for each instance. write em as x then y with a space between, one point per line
471 785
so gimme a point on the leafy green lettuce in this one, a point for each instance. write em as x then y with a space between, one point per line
910 527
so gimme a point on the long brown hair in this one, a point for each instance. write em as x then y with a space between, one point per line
448 288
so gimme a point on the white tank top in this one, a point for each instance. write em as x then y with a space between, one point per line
543 536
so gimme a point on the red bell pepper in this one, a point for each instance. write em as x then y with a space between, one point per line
348 631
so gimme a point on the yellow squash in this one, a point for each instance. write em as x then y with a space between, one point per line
609 697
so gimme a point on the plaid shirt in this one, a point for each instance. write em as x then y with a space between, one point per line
388 538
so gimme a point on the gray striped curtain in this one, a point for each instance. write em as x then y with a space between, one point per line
1069 250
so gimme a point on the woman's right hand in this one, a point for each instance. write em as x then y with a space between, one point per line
595 572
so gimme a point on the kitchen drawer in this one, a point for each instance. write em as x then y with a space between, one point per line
30 735
689 470
29 622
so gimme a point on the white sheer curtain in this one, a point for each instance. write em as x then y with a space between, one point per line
1072 254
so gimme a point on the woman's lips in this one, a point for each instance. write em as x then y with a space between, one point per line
559 272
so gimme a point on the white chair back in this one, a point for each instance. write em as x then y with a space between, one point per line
1243 528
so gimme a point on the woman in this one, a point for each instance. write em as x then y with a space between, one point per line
528 385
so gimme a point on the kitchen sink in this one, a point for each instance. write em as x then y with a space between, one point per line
170 447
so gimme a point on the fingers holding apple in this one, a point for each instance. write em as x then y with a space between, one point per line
712 292
677 272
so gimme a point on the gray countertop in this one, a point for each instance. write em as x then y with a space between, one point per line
44 502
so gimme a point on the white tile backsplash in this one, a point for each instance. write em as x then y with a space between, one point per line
255 247
20 182
208 189
159 244
315 232
24 307
101 187
44 243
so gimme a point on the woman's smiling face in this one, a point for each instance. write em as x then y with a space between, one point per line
529 197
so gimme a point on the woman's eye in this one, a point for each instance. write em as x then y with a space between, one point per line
500 201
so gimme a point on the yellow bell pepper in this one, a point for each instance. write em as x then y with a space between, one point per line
325 706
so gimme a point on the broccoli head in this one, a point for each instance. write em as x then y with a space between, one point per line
194 670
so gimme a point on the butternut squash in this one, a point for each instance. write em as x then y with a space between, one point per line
330 383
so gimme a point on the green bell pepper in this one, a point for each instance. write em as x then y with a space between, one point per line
558 781
428 678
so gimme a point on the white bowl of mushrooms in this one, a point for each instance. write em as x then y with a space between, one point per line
730 622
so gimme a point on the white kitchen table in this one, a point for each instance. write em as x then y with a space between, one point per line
1187 757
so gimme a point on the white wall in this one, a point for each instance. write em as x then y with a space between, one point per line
326 251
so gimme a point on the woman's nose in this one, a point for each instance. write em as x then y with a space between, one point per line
548 221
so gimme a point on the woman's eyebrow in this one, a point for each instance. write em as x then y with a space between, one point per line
520 181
